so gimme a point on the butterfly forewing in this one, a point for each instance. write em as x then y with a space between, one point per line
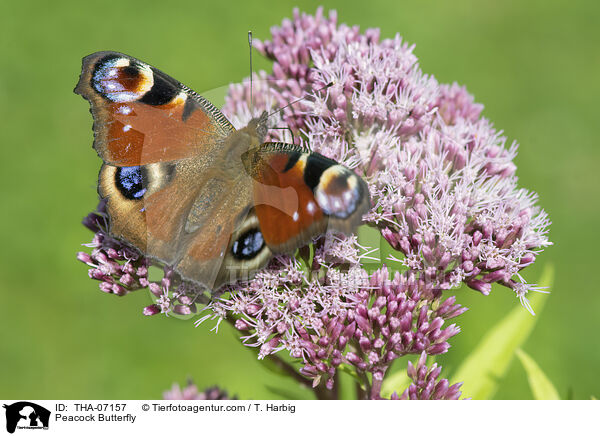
142 115
298 195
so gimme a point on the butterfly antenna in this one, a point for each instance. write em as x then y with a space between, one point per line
300 99
250 47
285 128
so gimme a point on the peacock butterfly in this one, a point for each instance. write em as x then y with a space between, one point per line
188 190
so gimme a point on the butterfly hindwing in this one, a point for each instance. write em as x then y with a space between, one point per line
193 214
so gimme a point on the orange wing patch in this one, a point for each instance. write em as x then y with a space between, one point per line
284 204
137 133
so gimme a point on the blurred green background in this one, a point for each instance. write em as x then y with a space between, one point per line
534 65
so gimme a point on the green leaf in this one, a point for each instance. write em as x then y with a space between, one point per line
541 386
489 361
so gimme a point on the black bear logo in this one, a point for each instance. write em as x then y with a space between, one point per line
26 415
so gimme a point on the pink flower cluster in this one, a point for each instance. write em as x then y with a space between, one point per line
441 177
444 192
425 384
444 196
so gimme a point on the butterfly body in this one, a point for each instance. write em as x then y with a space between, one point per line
187 189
